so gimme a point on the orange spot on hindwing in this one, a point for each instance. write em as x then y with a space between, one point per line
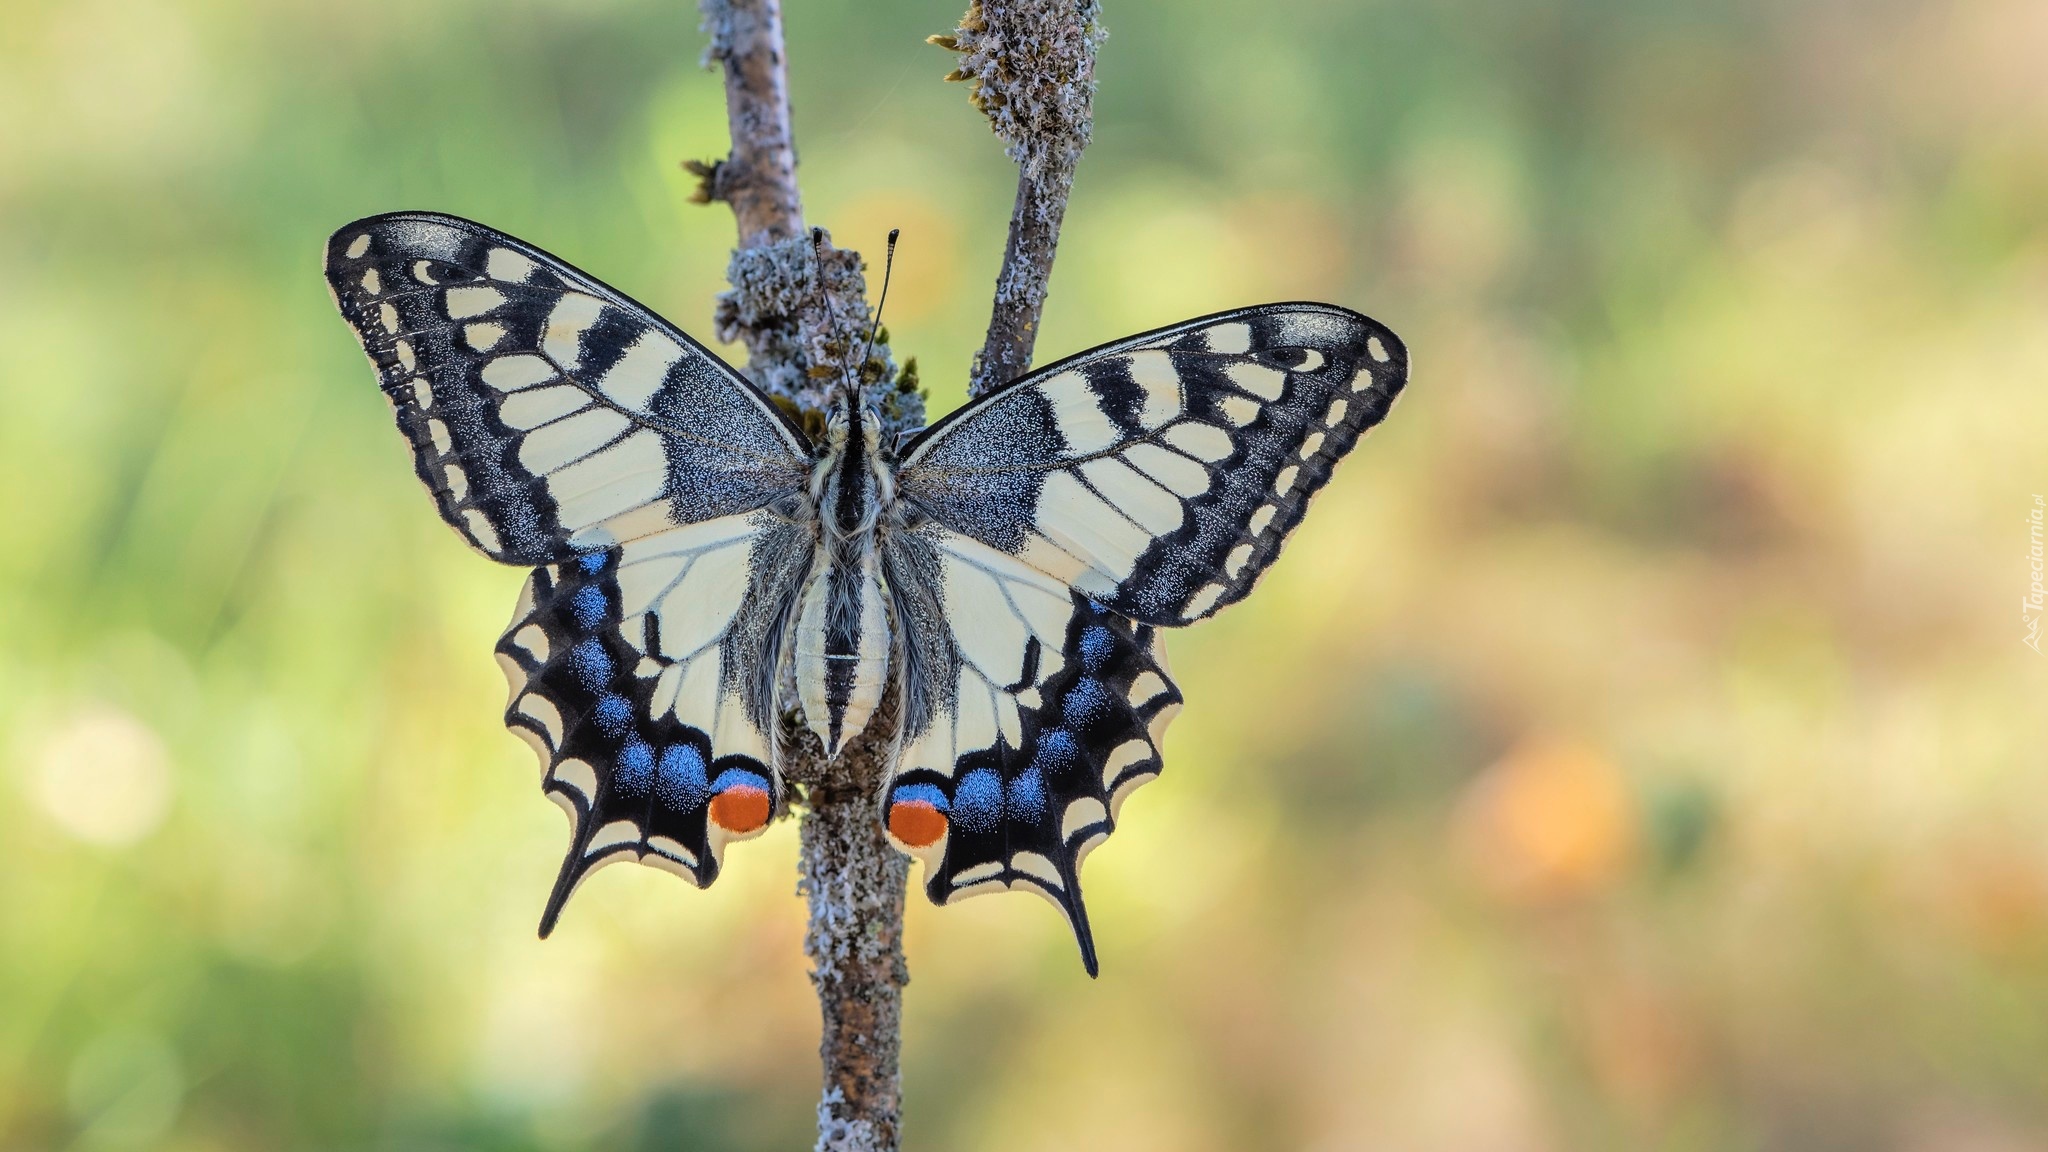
742 808
916 823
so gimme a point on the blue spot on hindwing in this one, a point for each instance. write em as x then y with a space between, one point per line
978 801
739 778
614 714
635 769
1026 798
679 778
592 663
591 562
1097 645
589 607
1087 704
921 794
1058 755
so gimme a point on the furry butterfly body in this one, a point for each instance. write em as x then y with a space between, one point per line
703 568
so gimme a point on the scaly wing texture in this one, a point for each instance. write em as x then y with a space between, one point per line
1030 713
540 403
1050 526
1160 475
560 424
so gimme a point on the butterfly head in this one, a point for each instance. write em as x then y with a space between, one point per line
852 423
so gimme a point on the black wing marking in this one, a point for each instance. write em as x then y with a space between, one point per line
540 403
1031 712
642 674
1161 474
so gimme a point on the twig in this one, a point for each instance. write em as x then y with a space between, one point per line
1032 67
852 878
759 178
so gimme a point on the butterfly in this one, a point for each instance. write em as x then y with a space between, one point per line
704 568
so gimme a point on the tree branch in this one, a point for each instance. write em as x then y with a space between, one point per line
801 310
1032 67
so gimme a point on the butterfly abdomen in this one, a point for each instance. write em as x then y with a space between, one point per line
843 642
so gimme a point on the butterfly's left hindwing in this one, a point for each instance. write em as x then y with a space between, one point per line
640 673
1031 713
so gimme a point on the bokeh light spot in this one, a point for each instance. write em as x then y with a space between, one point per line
103 776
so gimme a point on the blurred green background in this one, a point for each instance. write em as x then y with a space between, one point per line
1635 750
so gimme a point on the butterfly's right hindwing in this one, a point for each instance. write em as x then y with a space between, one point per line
544 409
1030 713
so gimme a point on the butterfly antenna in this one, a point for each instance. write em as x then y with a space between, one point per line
888 266
852 378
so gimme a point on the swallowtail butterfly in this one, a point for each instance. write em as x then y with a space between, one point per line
1008 569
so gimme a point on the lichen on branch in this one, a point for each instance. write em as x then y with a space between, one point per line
1030 66
799 344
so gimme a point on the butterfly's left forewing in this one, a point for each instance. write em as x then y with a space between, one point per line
547 411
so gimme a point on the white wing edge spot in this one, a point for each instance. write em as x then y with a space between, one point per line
542 711
358 247
1035 865
1082 813
480 530
1126 754
612 835
670 847
1238 558
533 639
578 775
978 874
505 264
1146 687
1231 339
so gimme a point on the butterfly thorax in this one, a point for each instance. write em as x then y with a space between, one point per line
842 642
